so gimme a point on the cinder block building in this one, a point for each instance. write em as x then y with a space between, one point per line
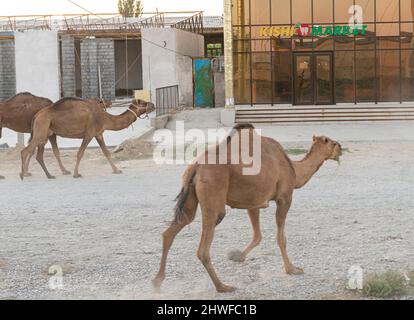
107 56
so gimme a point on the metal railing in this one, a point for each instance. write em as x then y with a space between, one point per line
167 98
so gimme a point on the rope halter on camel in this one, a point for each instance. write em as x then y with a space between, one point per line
133 112
138 117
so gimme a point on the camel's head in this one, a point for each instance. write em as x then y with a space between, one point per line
331 148
141 106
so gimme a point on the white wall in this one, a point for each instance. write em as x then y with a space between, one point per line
37 63
163 52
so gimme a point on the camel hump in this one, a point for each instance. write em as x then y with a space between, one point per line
240 126
21 94
237 128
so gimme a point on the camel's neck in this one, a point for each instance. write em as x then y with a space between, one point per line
120 122
307 167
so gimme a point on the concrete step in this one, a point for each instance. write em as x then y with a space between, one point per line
321 114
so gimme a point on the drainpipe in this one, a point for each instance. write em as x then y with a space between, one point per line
228 114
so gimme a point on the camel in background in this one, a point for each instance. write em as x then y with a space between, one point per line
78 119
214 186
17 114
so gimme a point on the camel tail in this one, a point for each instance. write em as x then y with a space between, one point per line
186 195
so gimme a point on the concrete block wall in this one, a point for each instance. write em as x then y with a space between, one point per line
7 69
68 66
94 53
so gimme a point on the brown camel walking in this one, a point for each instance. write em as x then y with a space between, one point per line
78 119
214 186
18 112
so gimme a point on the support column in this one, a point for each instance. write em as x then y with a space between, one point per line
228 114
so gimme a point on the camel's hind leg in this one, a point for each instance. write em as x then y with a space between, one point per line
56 152
81 152
107 154
212 201
26 155
39 158
283 205
190 209
210 217
239 256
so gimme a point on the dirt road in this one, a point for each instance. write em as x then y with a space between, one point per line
104 230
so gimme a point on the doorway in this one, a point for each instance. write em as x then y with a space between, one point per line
313 78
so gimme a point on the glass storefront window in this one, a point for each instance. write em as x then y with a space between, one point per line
344 43
322 11
261 78
388 74
407 10
388 29
241 45
301 11
368 12
282 76
344 77
388 43
241 33
280 10
407 75
242 78
241 12
260 12
387 10
341 9
365 76
261 45
323 44
366 67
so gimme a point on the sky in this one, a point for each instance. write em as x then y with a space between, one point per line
25 7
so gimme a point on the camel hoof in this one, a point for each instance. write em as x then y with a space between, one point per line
1 178
66 173
236 255
77 176
117 172
51 177
156 283
27 174
295 271
225 289
21 175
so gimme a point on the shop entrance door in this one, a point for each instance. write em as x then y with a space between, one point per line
313 78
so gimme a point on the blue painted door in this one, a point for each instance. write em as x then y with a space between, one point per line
203 83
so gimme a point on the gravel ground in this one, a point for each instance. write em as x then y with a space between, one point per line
105 230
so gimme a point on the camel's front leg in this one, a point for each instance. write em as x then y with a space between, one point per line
81 152
107 154
53 142
239 256
283 205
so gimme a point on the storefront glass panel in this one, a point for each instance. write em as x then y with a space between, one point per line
261 78
371 50
282 76
407 75
365 76
344 77
388 73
